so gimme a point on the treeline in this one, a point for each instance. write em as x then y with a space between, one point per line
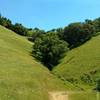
20 29
49 47
75 33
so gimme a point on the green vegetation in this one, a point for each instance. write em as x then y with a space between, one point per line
81 66
5 22
21 76
83 96
20 29
33 34
24 78
49 49
77 33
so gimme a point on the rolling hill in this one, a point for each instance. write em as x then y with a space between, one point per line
81 66
21 76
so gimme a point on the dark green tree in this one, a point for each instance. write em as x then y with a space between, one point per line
49 49
20 29
77 33
60 32
37 33
96 23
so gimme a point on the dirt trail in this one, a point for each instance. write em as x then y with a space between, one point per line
58 96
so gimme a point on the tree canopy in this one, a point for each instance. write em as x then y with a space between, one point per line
49 49
77 33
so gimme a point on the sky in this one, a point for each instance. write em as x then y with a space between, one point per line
49 14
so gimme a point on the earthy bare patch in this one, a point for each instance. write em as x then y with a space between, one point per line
58 96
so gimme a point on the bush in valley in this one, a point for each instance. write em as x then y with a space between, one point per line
49 49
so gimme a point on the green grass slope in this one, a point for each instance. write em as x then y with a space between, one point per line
21 76
84 96
82 65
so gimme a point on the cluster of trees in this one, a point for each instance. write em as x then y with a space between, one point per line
5 22
33 34
70 37
18 28
49 47
77 33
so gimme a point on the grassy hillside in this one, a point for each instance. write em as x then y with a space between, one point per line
24 78
81 65
84 96
21 76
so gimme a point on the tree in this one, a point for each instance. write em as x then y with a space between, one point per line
20 29
96 23
5 22
49 49
60 32
34 34
37 33
77 33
